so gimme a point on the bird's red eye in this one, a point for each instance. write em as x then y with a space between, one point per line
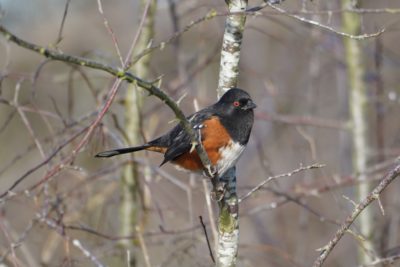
236 103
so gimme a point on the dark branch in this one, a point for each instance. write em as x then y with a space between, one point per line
207 239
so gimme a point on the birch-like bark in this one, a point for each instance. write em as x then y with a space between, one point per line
231 44
130 202
228 222
359 118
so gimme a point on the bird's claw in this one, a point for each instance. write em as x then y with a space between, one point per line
210 171
218 192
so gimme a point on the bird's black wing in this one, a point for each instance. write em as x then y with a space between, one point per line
178 140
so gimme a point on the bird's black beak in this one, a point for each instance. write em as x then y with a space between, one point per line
250 105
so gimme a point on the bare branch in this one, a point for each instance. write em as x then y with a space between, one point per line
388 260
210 15
41 164
143 246
122 75
8 120
110 31
288 174
374 195
87 253
60 31
318 24
207 239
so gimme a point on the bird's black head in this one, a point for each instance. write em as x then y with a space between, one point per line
236 102
235 109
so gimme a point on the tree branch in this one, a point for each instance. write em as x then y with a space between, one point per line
121 74
260 185
316 23
374 195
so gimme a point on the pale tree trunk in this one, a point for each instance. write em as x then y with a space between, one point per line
130 202
359 118
228 222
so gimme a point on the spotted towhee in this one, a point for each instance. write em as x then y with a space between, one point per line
224 131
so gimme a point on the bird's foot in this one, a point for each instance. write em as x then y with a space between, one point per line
218 191
210 171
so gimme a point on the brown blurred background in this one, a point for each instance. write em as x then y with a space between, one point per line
295 72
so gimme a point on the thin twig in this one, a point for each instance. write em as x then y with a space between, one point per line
210 15
26 121
288 174
87 253
110 31
388 260
60 32
143 246
7 121
32 146
334 11
11 244
207 239
374 195
127 64
323 26
253 11
41 164
26 109
373 10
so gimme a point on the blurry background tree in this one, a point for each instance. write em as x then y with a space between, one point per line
136 199
299 61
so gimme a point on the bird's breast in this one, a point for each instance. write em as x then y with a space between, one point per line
229 155
221 149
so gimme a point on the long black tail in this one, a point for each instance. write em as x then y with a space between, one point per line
111 153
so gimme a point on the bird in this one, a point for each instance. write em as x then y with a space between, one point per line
224 129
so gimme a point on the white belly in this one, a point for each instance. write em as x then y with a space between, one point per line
229 156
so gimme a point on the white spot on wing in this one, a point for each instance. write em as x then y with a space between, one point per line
198 126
